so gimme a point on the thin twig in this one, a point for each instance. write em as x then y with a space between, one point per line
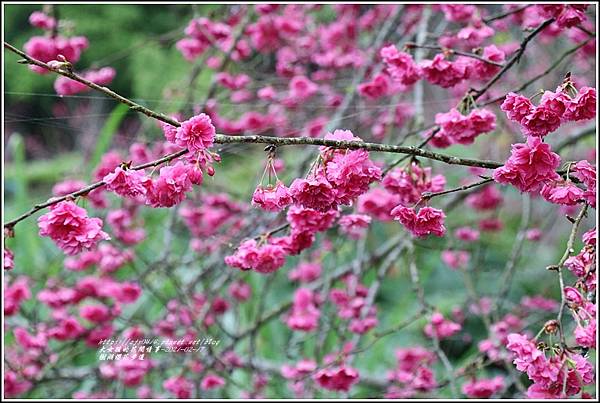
514 59
569 250
410 45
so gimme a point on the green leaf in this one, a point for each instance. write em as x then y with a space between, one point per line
107 133
27 241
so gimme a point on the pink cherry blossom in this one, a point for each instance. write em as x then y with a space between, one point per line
170 187
458 12
440 327
316 193
8 259
95 313
69 226
126 183
354 225
583 107
306 272
41 20
444 73
483 388
562 192
376 88
179 386
212 381
467 234
337 378
456 259
304 315
516 106
400 65
196 134
530 165
350 175
427 220
272 198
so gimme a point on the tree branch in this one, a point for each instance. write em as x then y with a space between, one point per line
453 51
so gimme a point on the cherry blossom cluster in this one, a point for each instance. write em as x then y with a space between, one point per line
532 166
307 61
456 128
402 69
554 109
354 306
337 178
577 297
413 374
69 226
441 327
557 375
58 52
66 86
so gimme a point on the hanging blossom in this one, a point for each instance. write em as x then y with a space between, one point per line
350 174
345 175
69 226
441 327
445 73
400 65
586 173
565 371
127 182
171 185
66 86
554 109
354 225
426 221
413 373
263 259
461 129
353 307
583 264
305 313
272 198
305 222
315 192
340 378
196 134
483 388
584 313
562 192
529 166
409 183
8 262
